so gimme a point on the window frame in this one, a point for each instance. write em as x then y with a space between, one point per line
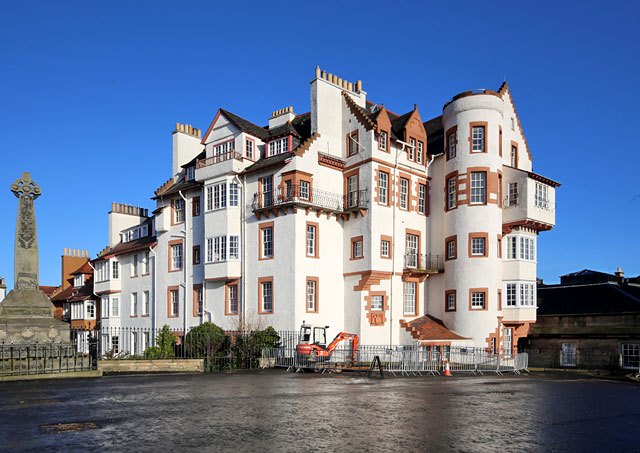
447 244
315 245
176 212
481 190
173 305
452 192
357 240
479 236
404 188
482 142
263 283
383 188
452 133
414 284
485 299
316 287
175 246
262 230
447 298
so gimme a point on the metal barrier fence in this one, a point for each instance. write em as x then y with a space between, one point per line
400 360
46 358
585 360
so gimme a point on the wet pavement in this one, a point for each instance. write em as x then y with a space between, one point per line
277 411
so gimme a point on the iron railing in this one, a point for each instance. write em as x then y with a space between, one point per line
46 358
218 158
302 195
424 263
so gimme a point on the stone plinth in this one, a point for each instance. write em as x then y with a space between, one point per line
26 316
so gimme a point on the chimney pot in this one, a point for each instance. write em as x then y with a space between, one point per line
324 74
359 85
350 86
317 71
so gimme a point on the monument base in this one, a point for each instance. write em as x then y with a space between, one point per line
26 316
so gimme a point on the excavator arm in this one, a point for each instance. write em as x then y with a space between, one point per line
344 336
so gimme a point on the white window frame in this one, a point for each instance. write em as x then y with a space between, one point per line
377 302
478 300
174 303
178 210
383 187
419 152
411 151
312 232
357 249
145 303
305 190
311 295
520 294
177 261
451 249
422 198
452 192
134 304
382 140
630 353
267 242
234 247
233 299
410 299
478 187
512 195
478 134
278 146
451 301
115 269
115 307
249 147
478 246
134 265
384 248
266 298
541 196
404 193
234 195
451 145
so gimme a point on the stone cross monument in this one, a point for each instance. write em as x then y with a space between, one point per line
26 314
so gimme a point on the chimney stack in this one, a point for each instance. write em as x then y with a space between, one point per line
281 116
620 275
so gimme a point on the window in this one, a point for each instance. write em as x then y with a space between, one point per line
383 188
115 344
478 301
356 248
115 270
312 301
382 140
352 191
234 248
134 304
513 124
209 198
267 242
267 297
527 247
199 294
451 247
451 192
304 190
196 254
195 206
514 156
267 191
278 146
377 303
311 240
567 354
134 265
102 269
513 194
385 249
219 248
176 257
104 306
422 198
134 343
542 196
630 356
78 280
511 295
451 145
420 152
477 139
219 196
234 194
224 148
233 299
512 247
409 298
115 307
499 246
412 249
174 303
209 250
249 148
412 149
478 246
91 310
404 193
352 143
478 187
178 210
191 173
145 303
145 263
451 300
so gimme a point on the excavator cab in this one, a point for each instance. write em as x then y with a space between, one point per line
312 334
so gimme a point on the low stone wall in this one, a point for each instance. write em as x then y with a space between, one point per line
152 366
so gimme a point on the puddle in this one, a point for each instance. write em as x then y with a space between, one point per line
67 427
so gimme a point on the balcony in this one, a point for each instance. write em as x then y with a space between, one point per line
423 264
219 164
302 196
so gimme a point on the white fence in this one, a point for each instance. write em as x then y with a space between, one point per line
400 360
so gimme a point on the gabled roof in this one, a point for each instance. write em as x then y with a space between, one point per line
84 292
48 290
267 162
598 298
63 295
398 124
193 161
84 269
244 125
181 185
428 328
142 243
435 135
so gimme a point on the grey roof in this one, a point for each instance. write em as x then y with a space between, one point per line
246 126
435 135
599 298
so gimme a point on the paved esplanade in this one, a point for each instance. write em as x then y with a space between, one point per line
26 314
277 411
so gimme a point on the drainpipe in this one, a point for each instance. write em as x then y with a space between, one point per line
186 261
243 271
155 293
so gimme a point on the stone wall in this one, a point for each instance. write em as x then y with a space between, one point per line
151 366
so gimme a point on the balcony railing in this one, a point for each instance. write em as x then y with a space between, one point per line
301 195
424 263
543 205
219 158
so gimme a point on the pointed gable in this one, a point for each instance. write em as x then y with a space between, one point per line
240 123
505 92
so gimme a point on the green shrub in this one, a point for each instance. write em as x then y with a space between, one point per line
203 339
164 349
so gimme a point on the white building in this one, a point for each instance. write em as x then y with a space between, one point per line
349 216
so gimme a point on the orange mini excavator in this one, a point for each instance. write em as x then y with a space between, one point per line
312 341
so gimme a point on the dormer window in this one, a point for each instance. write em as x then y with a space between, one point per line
132 234
224 148
191 173
278 146
382 141
78 280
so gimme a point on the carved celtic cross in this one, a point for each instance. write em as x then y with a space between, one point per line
26 246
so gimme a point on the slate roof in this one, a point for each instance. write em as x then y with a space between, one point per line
435 136
181 185
48 290
428 328
192 162
246 126
598 298
268 162
63 295
128 247
84 292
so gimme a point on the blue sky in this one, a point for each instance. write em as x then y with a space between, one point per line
89 95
